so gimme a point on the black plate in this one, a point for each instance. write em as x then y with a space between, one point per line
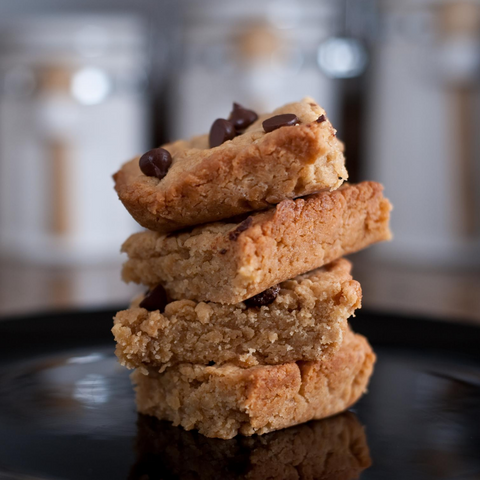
67 411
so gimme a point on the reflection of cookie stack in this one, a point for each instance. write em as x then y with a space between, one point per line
234 336
335 448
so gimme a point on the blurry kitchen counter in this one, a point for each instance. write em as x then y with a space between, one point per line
447 294
26 289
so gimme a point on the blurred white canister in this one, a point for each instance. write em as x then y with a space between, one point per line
72 109
260 54
423 130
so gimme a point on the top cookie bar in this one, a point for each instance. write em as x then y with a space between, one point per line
254 170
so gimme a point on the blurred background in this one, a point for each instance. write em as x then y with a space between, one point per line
85 85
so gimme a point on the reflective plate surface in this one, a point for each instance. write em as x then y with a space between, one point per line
67 412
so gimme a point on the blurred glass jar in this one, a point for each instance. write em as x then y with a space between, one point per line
424 105
72 108
260 54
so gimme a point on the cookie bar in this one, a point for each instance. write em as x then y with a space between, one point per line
333 448
229 262
306 320
225 401
251 172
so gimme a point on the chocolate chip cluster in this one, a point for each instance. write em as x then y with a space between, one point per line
241 118
222 130
156 162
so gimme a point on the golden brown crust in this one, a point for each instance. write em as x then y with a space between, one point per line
331 449
224 401
250 172
226 263
306 321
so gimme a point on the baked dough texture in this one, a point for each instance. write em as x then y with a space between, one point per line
331 449
229 262
251 172
306 321
224 401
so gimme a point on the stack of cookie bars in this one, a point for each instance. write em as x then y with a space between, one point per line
244 328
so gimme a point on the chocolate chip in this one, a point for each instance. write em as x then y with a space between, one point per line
264 298
155 299
285 120
241 117
223 251
155 163
221 131
234 234
321 119
210 364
